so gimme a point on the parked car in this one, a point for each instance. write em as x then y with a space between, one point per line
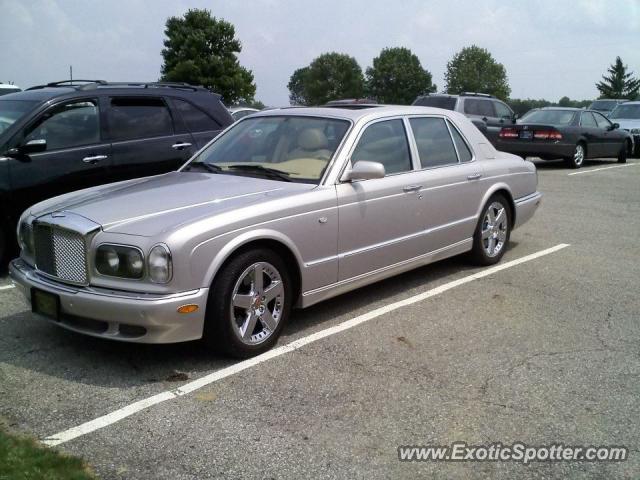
485 111
627 115
7 88
57 138
606 105
286 208
351 102
569 133
240 112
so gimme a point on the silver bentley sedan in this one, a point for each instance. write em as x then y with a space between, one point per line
284 209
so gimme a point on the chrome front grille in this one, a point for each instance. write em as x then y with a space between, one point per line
60 253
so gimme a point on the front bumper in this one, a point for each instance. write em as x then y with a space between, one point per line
116 315
526 207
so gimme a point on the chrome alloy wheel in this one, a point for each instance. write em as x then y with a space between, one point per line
257 303
578 156
494 229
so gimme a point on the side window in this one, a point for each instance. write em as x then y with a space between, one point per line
385 142
602 121
463 149
69 125
196 119
139 117
474 106
587 120
502 111
435 146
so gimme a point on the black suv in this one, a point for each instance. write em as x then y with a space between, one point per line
486 112
64 136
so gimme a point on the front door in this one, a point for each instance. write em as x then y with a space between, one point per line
594 135
380 219
74 154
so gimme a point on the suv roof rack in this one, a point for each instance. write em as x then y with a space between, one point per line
475 94
93 84
67 83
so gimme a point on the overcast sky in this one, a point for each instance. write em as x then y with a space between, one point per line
549 48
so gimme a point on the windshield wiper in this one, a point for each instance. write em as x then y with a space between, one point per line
209 167
270 172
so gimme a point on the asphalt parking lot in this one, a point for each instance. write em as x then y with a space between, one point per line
543 351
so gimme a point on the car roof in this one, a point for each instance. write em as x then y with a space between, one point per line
9 86
354 114
571 109
631 102
38 95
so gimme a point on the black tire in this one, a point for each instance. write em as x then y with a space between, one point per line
576 161
219 329
622 156
3 249
478 254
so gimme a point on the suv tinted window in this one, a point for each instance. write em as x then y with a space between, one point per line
196 119
502 110
448 103
463 149
474 106
435 146
385 142
601 120
587 120
141 117
69 125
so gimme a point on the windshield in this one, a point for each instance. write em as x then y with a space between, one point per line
297 149
603 105
551 117
626 111
12 110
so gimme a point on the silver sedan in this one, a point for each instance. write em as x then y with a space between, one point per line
284 209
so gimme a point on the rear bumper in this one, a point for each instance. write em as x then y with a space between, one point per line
536 149
124 316
526 207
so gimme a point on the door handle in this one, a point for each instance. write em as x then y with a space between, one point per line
180 145
94 159
474 176
411 188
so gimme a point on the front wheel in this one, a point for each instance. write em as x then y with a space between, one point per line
622 155
492 232
579 154
249 303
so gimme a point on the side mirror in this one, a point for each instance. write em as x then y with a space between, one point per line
34 146
515 117
364 170
614 126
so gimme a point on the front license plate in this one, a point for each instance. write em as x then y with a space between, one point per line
46 304
526 134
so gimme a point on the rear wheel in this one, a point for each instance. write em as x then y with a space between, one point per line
492 233
579 154
249 303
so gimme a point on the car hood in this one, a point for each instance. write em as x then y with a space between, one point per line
148 205
626 123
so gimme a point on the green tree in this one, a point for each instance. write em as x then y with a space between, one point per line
619 83
473 69
398 77
201 50
296 87
329 77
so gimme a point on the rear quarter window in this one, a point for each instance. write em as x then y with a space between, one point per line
195 119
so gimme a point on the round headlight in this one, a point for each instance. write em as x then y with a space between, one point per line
120 261
160 266
635 130
25 238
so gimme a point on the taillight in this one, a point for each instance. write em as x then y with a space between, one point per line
547 135
508 133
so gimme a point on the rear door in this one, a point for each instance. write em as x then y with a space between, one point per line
593 134
202 126
76 155
144 138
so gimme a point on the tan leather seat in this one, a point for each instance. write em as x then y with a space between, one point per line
312 143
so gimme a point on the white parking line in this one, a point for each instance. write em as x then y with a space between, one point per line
136 407
603 168
7 287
